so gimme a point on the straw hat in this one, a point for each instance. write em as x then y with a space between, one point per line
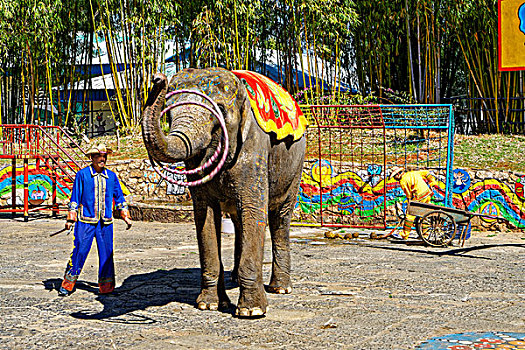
396 170
99 149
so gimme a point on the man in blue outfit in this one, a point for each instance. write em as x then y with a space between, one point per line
91 210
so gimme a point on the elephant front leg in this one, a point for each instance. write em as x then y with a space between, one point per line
213 292
252 297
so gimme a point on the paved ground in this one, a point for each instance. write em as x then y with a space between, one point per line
358 294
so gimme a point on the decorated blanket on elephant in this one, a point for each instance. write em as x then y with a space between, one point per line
274 108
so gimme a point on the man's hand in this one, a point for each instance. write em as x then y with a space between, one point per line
71 218
124 214
128 221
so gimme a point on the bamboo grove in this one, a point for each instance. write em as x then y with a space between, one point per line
408 51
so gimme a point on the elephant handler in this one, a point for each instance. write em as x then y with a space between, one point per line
91 210
414 185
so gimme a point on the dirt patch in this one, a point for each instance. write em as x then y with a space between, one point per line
348 294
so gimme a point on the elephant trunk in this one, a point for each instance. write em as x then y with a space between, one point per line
182 142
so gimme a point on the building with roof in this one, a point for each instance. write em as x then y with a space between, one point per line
94 101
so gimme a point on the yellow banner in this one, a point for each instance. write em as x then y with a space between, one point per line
511 38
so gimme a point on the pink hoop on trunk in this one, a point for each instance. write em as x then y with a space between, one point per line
215 111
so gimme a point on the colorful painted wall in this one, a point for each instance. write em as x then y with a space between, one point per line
345 193
493 193
349 193
40 185
363 193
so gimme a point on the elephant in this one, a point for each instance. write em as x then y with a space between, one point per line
257 185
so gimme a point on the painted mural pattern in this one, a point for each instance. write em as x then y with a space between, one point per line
363 193
491 196
40 184
474 340
152 180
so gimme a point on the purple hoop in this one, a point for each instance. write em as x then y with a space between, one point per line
217 113
215 154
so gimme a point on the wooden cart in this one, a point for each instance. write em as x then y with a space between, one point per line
437 226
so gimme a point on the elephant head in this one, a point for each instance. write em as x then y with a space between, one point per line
193 128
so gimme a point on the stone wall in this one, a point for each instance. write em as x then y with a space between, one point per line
145 185
499 193
494 192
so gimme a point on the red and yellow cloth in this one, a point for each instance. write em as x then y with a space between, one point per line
274 108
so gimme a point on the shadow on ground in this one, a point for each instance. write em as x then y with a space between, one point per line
33 216
461 252
141 291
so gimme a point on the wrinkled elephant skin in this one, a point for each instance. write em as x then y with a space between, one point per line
257 186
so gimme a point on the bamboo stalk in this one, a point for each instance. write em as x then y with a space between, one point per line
49 83
237 50
23 91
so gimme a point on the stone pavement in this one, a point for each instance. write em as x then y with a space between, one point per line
357 294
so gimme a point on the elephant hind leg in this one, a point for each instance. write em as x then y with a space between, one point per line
279 222
237 249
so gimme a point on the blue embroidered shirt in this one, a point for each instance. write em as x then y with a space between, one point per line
93 194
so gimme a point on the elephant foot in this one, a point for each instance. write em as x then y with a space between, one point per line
245 312
252 303
208 306
210 300
278 289
279 284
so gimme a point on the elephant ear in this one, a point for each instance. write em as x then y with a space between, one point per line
246 112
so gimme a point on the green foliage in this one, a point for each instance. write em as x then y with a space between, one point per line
496 152
312 97
346 98
38 49
396 97
423 50
135 32
476 29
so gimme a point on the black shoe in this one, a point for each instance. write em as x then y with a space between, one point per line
63 292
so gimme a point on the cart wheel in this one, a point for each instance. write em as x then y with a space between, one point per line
437 228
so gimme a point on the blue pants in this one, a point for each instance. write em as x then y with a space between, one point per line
83 239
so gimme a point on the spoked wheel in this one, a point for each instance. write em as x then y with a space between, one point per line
437 228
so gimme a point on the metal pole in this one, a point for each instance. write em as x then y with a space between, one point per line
26 189
54 193
450 159
385 179
13 185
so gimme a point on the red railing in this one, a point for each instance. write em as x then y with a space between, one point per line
345 148
51 144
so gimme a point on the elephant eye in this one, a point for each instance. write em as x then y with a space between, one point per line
223 111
